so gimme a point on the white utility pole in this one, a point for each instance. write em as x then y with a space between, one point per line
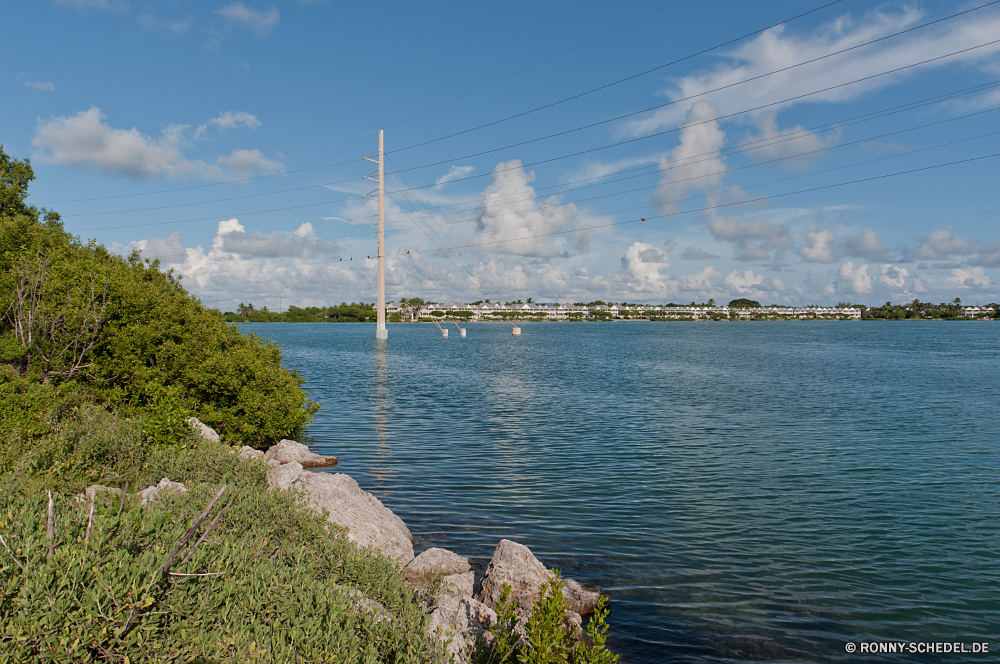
380 331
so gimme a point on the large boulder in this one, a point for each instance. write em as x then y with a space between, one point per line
288 451
514 564
461 622
202 429
435 561
283 476
164 486
247 452
459 585
582 598
367 520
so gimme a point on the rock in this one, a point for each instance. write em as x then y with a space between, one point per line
435 561
287 451
459 586
203 430
515 565
368 521
282 476
462 621
165 485
364 604
92 490
247 452
581 598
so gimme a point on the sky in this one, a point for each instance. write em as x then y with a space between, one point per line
664 151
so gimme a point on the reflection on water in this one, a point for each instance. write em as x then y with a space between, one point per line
382 470
742 491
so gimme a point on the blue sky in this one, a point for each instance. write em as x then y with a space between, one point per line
226 139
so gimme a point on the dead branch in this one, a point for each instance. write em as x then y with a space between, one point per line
207 530
205 574
121 503
189 533
90 517
52 527
11 553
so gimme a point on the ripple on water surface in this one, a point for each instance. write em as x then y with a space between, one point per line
743 491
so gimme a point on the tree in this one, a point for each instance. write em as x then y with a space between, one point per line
711 302
744 303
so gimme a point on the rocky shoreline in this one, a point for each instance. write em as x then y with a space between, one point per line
464 608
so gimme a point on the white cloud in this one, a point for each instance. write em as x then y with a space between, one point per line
942 243
120 6
85 142
779 48
974 278
642 264
819 246
749 283
894 276
454 173
258 20
866 244
695 253
753 240
689 169
851 278
775 143
989 254
250 162
509 216
46 86
229 120
700 282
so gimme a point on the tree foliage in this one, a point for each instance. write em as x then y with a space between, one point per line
78 318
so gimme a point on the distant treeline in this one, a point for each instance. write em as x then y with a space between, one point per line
355 312
921 310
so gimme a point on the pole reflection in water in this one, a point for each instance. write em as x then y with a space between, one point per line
382 470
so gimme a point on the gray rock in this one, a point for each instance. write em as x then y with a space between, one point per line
202 430
95 489
458 585
515 565
164 486
247 452
435 561
363 604
461 622
368 521
287 451
581 598
282 476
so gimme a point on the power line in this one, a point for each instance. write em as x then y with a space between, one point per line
679 128
215 184
537 64
203 186
702 209
707 92
619 81
398 231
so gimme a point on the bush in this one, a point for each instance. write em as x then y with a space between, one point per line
547 637
272 582
81 319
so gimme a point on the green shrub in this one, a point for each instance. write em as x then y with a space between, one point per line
81 319
275 585
547 638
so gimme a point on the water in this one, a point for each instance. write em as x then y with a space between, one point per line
763 491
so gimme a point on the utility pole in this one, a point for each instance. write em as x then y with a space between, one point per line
380 331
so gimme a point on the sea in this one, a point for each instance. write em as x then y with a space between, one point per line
770 491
